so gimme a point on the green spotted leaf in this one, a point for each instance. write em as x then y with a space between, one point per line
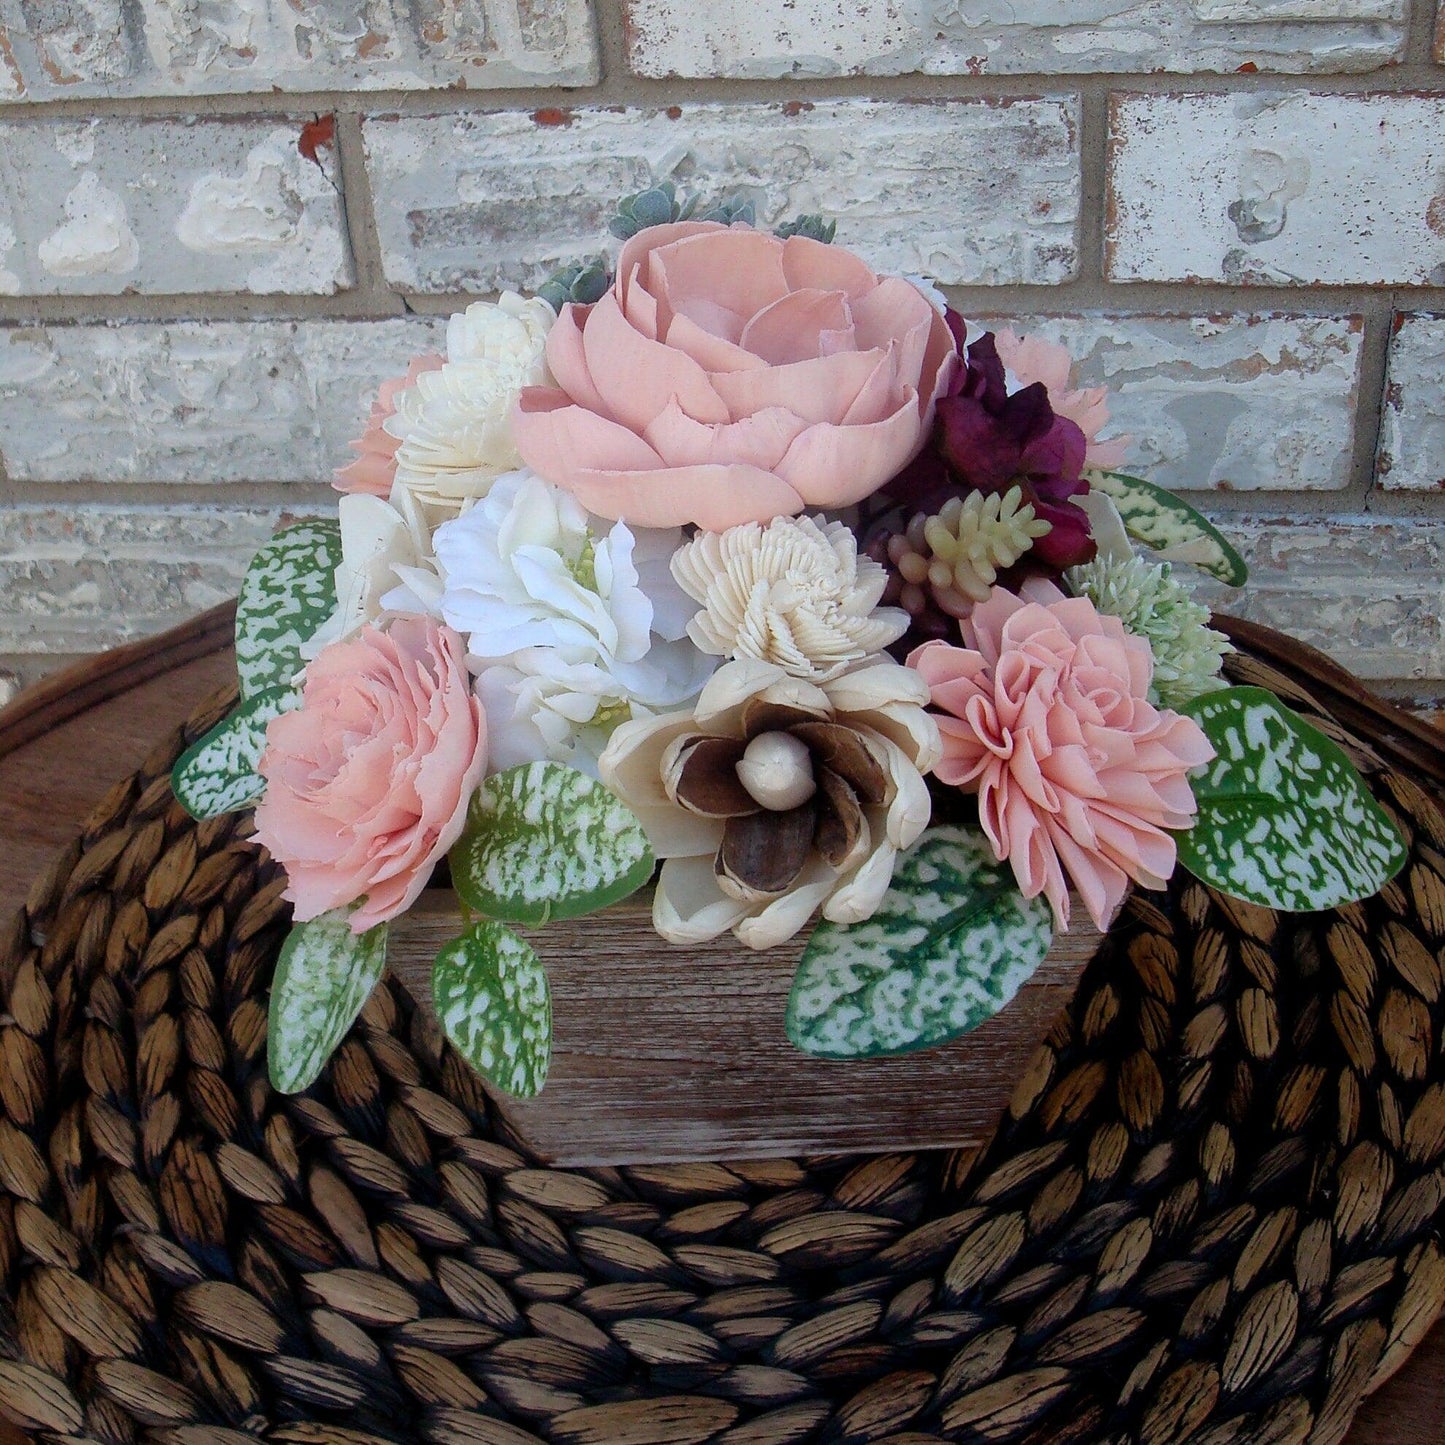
952 942
492 999
1284 819
289 590
324 976
217 773
545 841
1171 527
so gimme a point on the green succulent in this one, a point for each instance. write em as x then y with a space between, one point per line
583 282
656 206
730 211
815 228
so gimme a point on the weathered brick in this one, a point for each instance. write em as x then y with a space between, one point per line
194 401
1367 590
80 578
965 191
51 50
1412 432
1277 188
767 38
1233 402
156 206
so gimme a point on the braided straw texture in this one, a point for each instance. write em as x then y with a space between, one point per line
1209 1215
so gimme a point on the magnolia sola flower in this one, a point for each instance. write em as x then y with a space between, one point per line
775 796
1045 715
795 593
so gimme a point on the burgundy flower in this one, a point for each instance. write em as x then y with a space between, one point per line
986 440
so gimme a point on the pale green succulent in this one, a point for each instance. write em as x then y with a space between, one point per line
814 227
582 282
1153 604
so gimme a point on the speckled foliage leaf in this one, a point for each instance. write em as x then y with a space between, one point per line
951 944
492 999
217 773
1171 527
289 590
324 976
1284 821
545 841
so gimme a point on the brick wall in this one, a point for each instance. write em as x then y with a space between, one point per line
220 225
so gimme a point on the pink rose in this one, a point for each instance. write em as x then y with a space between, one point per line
375 469
1032 359
368 781
729 376
1045 717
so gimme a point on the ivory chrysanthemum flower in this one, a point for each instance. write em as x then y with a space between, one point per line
775 796
795 593
454 425
1044 713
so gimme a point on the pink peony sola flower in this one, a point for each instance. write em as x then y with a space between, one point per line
1044 714
1032 359
730 376
375 469
368 781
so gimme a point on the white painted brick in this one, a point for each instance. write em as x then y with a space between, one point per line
60 49
1412 433
162 206
1277 189
755 39
965 191
1368 591
193 401
1235 402
81 578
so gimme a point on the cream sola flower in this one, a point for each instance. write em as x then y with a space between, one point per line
1153 604
571 630
775 796
795 593
454 425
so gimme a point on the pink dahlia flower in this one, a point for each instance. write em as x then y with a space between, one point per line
1044 714
375 469
1032 359
729 376
368 781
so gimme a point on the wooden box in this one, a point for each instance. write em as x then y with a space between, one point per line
663 1053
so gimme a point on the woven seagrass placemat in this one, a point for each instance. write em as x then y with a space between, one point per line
1210 1214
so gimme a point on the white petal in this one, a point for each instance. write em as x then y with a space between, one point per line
911 807
688 906
779 920
860 894
731 686
876 685
1106 525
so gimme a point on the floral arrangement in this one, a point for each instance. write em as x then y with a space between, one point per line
739 557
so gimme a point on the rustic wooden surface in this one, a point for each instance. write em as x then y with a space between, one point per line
661 1054
50 777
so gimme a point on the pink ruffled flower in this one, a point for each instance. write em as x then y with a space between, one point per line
375 469
1046 718
1032 359
729 376
367 783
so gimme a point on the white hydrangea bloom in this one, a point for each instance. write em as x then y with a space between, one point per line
571 631
454 424
795 593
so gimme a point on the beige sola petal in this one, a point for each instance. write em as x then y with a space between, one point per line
631 765
858 895
720 705
889 698
778 921
688 906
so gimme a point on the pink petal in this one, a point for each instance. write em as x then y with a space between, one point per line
759 440
812 265
836 466
559 440
568 361
819 390
712 497
636 377
794 327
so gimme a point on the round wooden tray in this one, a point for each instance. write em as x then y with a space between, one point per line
1146 1251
